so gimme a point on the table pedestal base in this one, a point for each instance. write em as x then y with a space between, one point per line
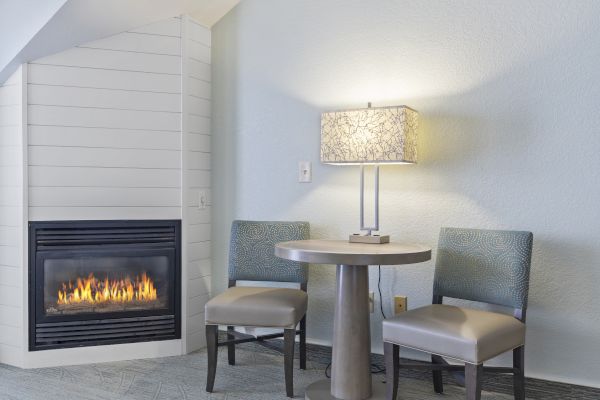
321 390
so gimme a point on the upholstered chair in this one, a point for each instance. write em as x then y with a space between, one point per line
478 265
252 258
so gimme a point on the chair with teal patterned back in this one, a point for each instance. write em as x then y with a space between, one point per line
485 266
252 258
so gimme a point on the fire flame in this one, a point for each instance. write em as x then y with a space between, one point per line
92 290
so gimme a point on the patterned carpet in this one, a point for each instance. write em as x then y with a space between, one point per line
258 375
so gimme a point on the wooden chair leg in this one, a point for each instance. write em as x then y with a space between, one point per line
438 384
289 339
519 372
231 346
391 353
303 343
212 332
473 377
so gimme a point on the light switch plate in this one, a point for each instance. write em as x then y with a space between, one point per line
202 200
304 171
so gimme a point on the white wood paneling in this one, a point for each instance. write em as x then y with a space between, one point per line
168 27
104 177
81 213
199 142
199 52
115 60
10 276
104 98
199 88
199 33
103 197
196 161
10 235
12 270
198 268
197 303
199 124
105 128
138 43
118 129
198 233
41 135
104 118
198 106
103 157
59 75
199 178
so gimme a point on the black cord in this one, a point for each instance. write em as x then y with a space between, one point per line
380 297
375 369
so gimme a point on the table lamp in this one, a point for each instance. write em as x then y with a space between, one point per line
369 136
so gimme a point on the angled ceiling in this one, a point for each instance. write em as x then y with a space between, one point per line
31 29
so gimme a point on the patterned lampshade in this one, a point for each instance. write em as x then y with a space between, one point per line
384 135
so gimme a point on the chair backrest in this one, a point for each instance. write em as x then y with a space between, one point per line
252 251
487 266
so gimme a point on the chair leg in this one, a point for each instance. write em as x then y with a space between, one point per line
391 353
438 384
519 372
231 346
473 377
289 338
212 346
303 343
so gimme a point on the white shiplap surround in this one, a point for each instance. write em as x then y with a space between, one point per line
118 128
12 198
196 78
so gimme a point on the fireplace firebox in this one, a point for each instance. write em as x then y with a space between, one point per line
103 282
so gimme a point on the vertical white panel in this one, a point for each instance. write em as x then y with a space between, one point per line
196 164
12 271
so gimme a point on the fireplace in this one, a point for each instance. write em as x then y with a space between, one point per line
103 282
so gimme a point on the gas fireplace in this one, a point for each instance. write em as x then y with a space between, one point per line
103 282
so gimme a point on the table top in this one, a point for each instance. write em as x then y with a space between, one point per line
346 253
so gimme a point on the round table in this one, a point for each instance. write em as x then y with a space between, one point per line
351 357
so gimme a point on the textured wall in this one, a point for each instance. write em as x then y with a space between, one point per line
508 93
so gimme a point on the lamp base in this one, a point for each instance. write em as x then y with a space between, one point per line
370 239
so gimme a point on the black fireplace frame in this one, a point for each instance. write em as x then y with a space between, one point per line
99 238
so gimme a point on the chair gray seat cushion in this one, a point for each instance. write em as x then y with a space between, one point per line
257 306
465 334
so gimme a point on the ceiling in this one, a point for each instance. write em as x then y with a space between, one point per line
208 12
31 29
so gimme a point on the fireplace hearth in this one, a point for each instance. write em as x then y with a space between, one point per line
103 282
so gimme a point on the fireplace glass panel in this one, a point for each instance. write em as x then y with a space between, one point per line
105 284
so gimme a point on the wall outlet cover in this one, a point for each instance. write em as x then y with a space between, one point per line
400 304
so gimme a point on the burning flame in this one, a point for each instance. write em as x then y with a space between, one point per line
92 290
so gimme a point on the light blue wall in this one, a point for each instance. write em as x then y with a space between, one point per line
508 93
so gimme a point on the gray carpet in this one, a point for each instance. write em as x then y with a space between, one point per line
257 375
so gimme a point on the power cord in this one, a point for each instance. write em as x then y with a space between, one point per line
375 369
380 297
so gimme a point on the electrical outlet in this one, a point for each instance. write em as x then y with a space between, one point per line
400 304
371 302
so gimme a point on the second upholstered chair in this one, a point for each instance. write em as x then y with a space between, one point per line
478 265
252 258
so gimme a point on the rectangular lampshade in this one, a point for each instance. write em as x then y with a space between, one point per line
384 135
